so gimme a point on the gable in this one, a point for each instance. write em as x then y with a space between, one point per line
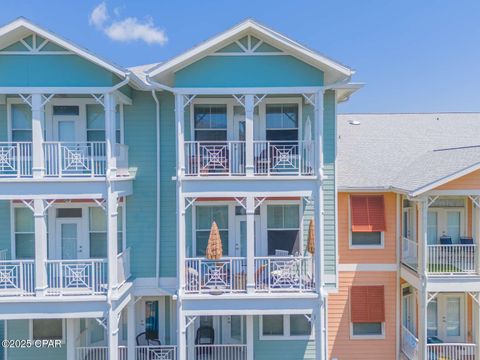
248 44
469 181
33 44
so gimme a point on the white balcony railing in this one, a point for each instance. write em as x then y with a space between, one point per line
221 352
17 278
123 266
160 352
15 159
451 259
67 159
409 253
225 275
451 351
409 344
286 273
284 157
99 353
214 158
77 277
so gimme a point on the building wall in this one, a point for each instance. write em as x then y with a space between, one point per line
466 182
340 344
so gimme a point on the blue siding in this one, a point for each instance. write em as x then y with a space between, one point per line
5 235
3 123
243 71
281 349
52 70
19 330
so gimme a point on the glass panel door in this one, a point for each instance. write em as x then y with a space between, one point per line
233 329
151 320
451 318
453 225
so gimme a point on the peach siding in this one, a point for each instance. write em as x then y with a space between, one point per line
387 255
469 181
340 346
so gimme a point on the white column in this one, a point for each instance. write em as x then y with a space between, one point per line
41 248
422 206
249 109
180 131
70 324
110 133
318 124
112 330
250 341
476 234
476 324
190 343
422 324
181 333
38 128
112 236
319 325
250 204
131 342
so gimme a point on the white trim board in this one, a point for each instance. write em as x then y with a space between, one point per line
367 267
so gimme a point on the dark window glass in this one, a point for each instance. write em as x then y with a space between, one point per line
366 238
283 240
367 328
66 110
69 213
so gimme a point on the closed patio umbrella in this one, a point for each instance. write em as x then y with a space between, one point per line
311 237
214 246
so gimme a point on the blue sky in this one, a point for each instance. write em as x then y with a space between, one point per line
414 56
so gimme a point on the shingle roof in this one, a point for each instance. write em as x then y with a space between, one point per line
402 150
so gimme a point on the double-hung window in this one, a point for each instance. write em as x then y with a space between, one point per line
282 122
367 311
205 216
24 233
210 122
21 116
367 220
98 232
283 228
274 327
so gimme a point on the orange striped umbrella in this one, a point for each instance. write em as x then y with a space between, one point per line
214 246
311 237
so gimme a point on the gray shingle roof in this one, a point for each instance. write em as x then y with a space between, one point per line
401 150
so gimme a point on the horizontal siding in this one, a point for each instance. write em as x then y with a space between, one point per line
467 182
281 349
340 345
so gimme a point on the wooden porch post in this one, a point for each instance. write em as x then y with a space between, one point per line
112 329
249 151
70 325
112 238
38 128
250 204
41 247
110 133
131 349
250 339
476 233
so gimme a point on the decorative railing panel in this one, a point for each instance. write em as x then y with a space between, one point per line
99 353
284 157
451 259
286 273
161 352
17 278
214 158
225 275
74 277
15 159
67 159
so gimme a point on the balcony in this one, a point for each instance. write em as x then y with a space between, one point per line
228 158
454 259
61 159
229 275
64 277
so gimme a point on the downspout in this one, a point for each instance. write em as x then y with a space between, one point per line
157 257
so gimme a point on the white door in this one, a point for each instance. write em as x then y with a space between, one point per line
240 246
449 222
233 329
449 319
67 128
69 240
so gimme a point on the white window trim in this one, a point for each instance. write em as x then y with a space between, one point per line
351 246
367 337
30 329
286 330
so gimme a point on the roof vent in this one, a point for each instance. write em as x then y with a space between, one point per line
354 122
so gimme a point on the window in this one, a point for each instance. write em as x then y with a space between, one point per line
151 319
98 232
210 122
21 122
274 327
205 215
283 228
24 233
282 121
69 213
66 110
367 311
367 220
47 329
95 123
